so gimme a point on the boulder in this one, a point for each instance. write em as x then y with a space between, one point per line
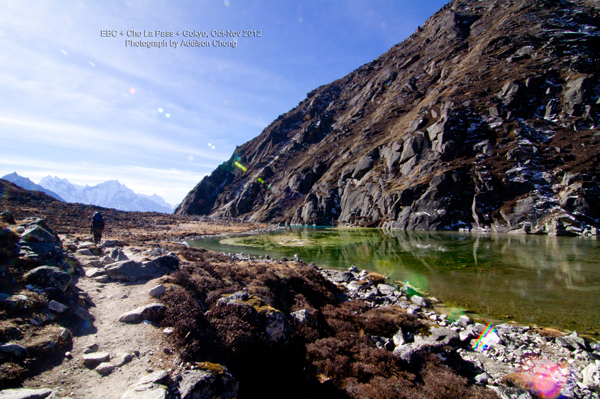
92 360
198 384
25 393
342 277
130 270
91 273
7 217
36 233
49 276
157 377
152 312
117 255
104 368
418 300
398 338
157 291
303 317
123 358
438 336
591 375
14 350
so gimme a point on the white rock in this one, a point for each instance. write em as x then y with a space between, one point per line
104 368
157 291
57 306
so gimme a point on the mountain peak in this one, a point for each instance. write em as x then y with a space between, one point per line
482 119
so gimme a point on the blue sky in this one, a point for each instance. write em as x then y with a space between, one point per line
88 108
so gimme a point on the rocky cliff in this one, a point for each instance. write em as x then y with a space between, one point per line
486 118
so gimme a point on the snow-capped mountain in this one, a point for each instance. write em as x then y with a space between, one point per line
110 194
29 185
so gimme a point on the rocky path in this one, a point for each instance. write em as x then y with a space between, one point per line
139 346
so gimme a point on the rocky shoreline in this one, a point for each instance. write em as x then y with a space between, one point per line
118 316
517 360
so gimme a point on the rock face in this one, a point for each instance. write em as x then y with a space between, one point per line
469 123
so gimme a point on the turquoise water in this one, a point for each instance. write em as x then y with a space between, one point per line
548 281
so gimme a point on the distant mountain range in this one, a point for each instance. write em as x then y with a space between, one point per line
110 194
29 185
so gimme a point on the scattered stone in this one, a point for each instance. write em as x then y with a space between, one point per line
152 312
157 291
84 252
92 360
69 355
591 375
118 255
90 348
123 358
204 384
130 270
102 279
57 307
168 331
303 317
104 368
418 300
91 273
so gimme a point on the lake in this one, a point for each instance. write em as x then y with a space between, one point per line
548 281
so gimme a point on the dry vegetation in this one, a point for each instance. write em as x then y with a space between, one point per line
331 357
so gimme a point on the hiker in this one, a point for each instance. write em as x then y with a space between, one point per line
97 225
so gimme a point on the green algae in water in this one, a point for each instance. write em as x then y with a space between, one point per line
549 281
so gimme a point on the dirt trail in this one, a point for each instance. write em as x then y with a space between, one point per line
73 379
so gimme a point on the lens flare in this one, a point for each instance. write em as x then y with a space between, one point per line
191 157
132 90
92 64
239 165
168 115
488 337
549 378
160 110
226 2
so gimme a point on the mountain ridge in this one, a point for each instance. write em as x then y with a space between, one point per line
27 184
108 194
484 119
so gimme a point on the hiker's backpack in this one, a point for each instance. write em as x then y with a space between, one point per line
97 221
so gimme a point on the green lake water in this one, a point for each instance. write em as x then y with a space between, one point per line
548 281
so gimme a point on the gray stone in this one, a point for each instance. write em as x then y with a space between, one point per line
84 252
25 393
83 314
398 338
591 375
157 291
14 350
303 317
386 289
157 377
7 217
439 336
49 276
102 279
511 393
123 358
147 391
406 351
91 360
35 233
57 306
364 165
130 270
91 273
90 348
117 255
107 260
482 379
104 368
152 312
112 243
342 277
418 300
198 384
239 296
464 321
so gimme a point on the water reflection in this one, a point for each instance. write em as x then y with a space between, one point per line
550 281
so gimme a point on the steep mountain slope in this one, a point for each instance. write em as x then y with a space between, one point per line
110 194
29 185
485 118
